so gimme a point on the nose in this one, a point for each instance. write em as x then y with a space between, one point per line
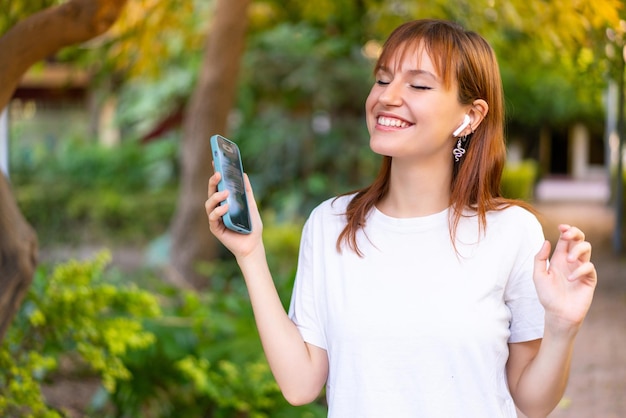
392 94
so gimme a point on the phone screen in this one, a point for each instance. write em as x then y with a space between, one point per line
227 160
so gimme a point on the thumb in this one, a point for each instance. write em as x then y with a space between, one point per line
541 259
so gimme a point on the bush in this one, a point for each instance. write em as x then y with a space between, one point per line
207 359
86 191
72 313
518 180
182 353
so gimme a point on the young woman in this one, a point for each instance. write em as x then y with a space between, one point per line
426 294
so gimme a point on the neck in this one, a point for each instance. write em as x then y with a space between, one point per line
416 190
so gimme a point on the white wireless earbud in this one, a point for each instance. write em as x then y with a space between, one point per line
466 121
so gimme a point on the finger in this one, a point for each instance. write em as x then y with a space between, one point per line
585 270
571 233
215 212
216 198
562 243
214 209
248 185
213 180
580 251
249 191
541 258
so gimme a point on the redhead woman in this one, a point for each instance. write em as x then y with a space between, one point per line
426 293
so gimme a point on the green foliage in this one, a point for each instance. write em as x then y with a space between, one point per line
235 388
304 80
301 106
207 362
206 347
308 55
282 244
207 359
81 189
299 112
552 57
518 180
547 94
72 313
182 354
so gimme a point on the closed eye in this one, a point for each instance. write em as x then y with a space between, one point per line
421 87
382 83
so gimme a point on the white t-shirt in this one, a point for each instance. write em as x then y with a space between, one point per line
413 328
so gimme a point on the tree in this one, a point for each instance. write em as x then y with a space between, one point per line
30 40
207 114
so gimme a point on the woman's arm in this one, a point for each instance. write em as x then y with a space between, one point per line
300 369
538 370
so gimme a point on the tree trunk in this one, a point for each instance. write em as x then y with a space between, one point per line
206 115
18 256
29 41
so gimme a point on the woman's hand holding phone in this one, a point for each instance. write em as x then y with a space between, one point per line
239 244
233 215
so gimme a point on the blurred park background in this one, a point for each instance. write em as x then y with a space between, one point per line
132 308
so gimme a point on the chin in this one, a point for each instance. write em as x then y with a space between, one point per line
381 149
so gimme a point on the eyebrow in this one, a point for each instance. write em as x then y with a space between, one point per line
386 69
423 72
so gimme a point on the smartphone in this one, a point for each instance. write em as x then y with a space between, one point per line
227 160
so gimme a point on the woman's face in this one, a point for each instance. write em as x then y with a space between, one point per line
409 111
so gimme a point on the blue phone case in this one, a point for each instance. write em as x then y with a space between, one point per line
227 160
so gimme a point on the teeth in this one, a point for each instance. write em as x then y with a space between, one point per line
396 123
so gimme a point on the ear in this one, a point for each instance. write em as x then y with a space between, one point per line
477 113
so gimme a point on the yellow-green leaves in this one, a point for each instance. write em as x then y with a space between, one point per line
72 313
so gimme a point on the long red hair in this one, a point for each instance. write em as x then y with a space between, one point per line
466 57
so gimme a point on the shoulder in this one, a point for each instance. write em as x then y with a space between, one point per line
329 217
326 221
332 208
514 216
516 224
511 218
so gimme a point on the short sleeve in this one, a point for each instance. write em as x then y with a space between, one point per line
520 295
304 308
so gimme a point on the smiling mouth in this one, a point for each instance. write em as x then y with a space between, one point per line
392 122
